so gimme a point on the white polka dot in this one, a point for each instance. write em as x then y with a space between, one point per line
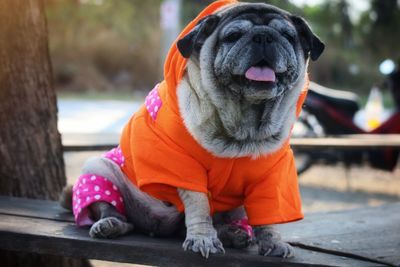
97 197
87 199
148 107
155 108
114 203
96 188
115 188
74 198
76 206
107 192
86 189
158 97
93 178
115 159
79 201
79 210
78 192
80 185
152 101
84 181
121 199
151 114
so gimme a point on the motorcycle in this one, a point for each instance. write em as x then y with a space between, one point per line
329 112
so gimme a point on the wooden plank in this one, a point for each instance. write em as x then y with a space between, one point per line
34 208
95 142
27 231
371 232
61 238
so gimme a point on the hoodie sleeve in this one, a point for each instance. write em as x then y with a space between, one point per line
275 198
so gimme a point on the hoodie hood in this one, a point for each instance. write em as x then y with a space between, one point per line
175 64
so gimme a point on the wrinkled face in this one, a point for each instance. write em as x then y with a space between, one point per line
255 51
258 56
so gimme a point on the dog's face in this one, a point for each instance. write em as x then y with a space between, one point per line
251 66
259 52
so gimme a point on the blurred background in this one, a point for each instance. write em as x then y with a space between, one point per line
117 47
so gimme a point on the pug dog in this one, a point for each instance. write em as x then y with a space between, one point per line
210 145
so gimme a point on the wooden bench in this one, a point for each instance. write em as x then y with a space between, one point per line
362 237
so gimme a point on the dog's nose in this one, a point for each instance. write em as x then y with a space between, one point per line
262 38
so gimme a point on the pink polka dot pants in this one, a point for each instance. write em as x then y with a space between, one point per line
90 188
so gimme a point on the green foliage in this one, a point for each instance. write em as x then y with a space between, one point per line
104 44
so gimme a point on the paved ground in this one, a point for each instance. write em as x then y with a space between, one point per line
323 188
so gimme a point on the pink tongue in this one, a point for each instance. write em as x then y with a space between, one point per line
261 74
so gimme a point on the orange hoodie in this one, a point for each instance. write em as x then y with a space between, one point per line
161 156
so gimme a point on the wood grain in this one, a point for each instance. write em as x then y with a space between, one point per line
43 227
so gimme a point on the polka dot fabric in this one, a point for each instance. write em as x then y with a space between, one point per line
115 155
153 102
91 188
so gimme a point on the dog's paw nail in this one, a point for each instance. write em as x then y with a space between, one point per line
289 252
187 244
218 246
276 249
204 245
204 251
109 227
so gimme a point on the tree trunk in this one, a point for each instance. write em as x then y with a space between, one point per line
31 159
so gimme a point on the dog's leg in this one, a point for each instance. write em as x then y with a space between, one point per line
230 230
200 233
109 222
270 242
148 215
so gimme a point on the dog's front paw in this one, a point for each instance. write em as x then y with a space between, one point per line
275 248
109 227
203 244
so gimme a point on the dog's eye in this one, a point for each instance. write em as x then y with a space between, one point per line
288 36
232 37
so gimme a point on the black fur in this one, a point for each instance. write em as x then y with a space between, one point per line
311 44
193 41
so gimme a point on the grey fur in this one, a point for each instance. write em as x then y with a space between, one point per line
65 199
110 227
200 233
270 243
227 118
148 214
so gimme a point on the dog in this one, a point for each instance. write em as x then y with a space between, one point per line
210 145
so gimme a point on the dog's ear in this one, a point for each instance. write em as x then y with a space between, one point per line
194 40
311 44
